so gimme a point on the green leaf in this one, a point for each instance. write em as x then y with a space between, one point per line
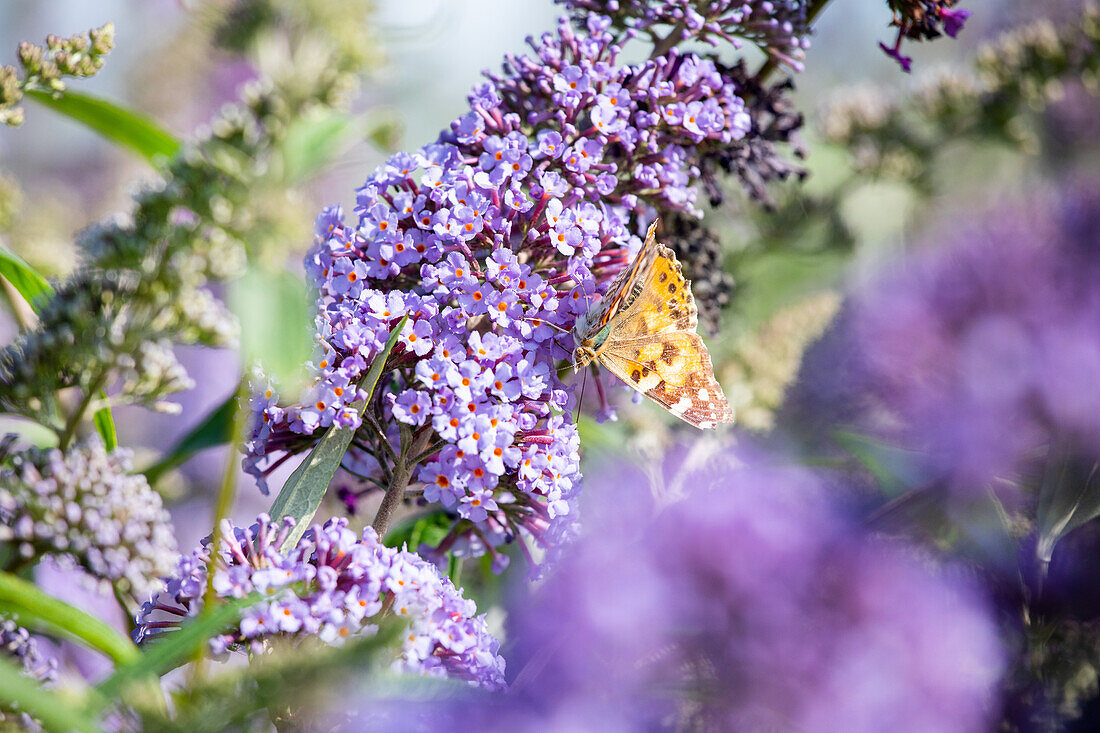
895 469
43 612
22 276
316 140
127 128
28 431
54 711
275 310
105 424
171 649
1068 498
215 429
430 528
303 491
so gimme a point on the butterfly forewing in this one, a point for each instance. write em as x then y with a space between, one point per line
627 285
665 302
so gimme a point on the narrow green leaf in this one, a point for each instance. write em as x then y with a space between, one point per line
29 431
215 429
127 128
303 491
43 612
105 424
22 276
171 649
54 711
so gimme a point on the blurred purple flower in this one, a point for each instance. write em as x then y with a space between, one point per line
749 605
988 346
86 509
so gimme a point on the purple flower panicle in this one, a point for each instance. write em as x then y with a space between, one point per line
493 240
332 585
86 508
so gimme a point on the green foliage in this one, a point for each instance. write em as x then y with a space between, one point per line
276 307
36 609
302 493
162 655
1069 497
215 429
126 128
26 281
46 706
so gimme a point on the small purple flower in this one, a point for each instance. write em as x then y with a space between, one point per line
953 20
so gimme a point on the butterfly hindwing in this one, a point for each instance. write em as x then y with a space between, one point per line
674 370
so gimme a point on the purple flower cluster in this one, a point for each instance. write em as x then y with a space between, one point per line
18 645
84 507
922 20
749 605
778 27
332 585
986 348
492 241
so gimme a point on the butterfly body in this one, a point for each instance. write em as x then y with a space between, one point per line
643 332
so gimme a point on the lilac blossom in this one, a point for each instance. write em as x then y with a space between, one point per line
17 643
778 27
492 241
19 646
333 584
751 604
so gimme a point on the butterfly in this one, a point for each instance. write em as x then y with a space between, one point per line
643 332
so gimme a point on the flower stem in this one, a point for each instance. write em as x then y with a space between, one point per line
412 447
77 415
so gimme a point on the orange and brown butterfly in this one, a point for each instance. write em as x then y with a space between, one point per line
643 332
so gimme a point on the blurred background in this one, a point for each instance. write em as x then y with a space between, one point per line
787 268
896 163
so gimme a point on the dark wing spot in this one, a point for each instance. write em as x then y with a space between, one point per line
668 354
662 277
672 287
636 375
645 371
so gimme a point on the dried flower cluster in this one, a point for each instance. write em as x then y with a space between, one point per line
44 67
922 20
1027 69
